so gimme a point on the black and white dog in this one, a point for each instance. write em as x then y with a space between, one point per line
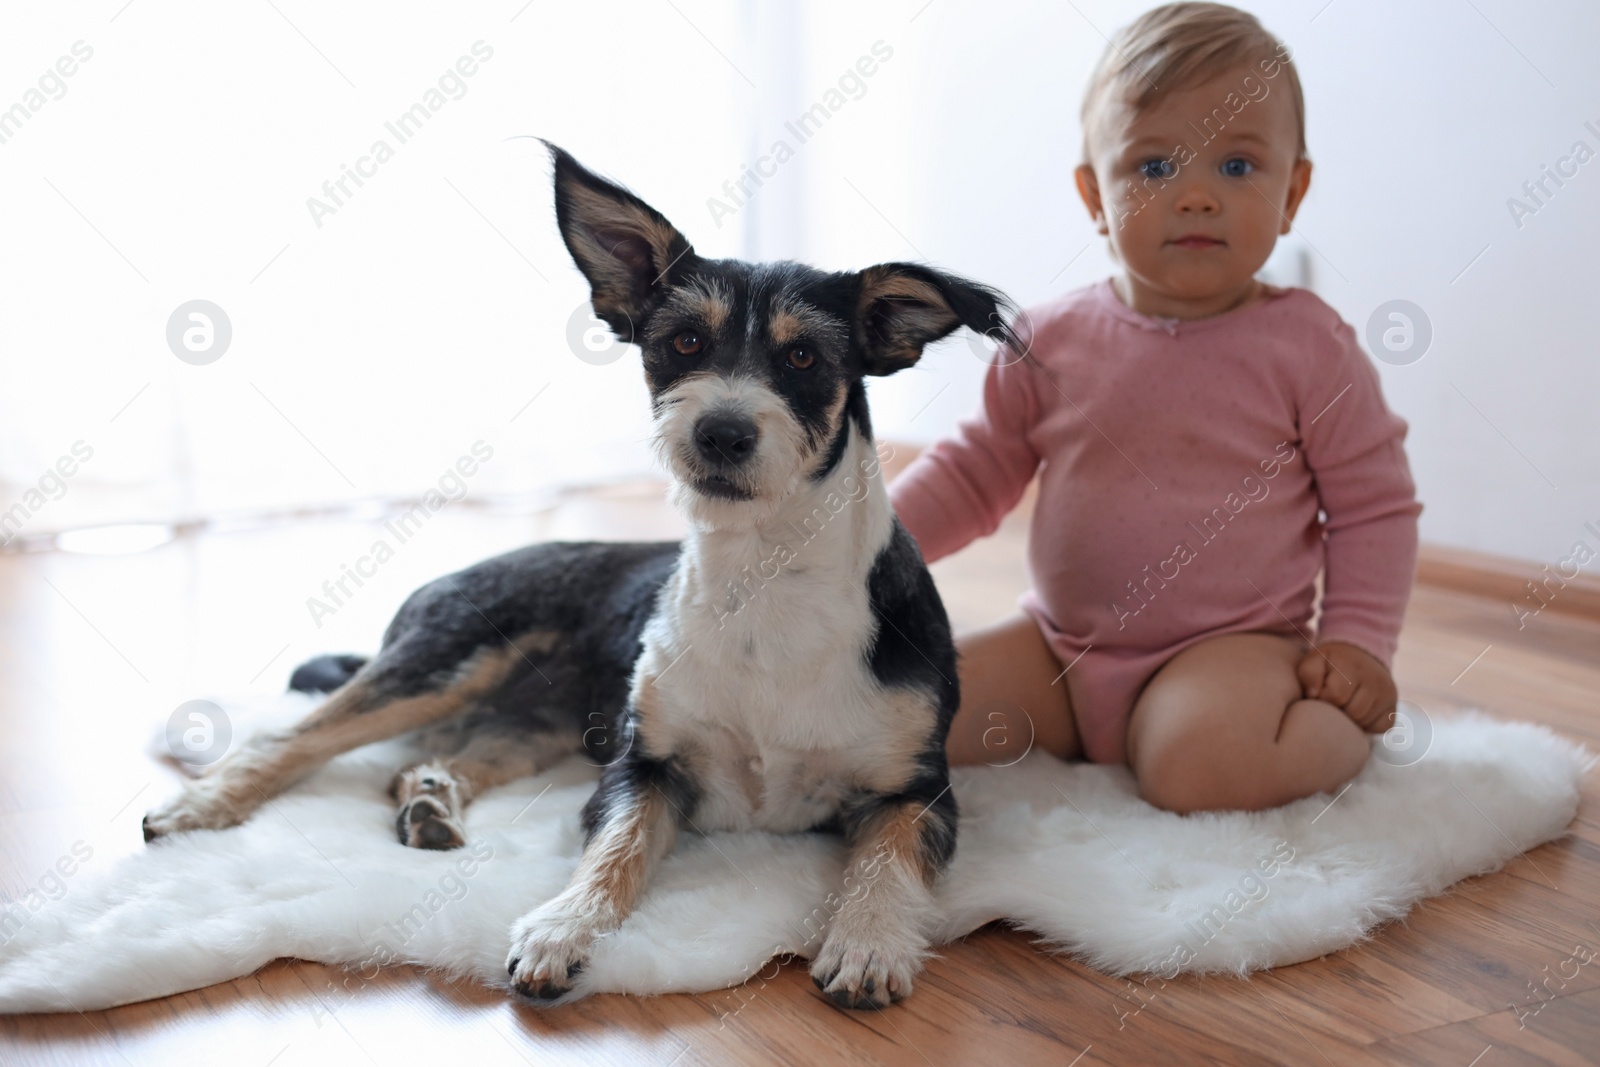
787 667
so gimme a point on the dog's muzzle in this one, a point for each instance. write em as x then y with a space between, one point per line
724 441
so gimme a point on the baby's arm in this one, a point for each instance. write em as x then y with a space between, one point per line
1353 446
960 488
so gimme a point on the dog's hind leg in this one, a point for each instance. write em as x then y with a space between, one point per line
383 700
433 794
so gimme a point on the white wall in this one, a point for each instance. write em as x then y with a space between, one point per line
178 163
369 352
1424 118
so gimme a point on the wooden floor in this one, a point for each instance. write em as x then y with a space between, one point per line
96 651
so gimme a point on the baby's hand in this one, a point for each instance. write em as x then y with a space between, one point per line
1350 678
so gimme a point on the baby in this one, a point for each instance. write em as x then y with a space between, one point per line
1187 423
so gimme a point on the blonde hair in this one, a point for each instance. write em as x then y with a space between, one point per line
1179 46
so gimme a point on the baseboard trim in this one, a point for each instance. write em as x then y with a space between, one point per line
1506 579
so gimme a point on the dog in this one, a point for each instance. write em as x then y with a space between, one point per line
787 667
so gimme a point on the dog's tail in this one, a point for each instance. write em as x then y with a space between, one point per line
324 674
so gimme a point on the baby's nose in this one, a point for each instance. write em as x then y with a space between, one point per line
1196 200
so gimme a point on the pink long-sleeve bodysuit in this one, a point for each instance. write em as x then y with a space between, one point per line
1182 465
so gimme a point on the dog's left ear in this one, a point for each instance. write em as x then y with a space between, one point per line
903 306
627 249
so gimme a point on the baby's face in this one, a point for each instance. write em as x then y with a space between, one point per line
1192 193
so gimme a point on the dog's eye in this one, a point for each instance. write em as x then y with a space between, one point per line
800 358
687 343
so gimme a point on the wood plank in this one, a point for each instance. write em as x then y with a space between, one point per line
1562 1033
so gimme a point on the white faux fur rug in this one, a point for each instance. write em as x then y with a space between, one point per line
1067 851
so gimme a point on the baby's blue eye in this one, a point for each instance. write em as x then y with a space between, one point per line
1158 168
1237 168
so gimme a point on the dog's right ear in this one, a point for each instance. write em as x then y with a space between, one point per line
903 307
626 249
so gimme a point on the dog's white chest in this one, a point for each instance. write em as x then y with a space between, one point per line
778 724
768 694
750 787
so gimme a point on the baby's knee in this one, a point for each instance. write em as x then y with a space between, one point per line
1189 771
1189 782
1196 765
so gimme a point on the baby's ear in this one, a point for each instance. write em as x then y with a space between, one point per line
902 307
1089 192
627 249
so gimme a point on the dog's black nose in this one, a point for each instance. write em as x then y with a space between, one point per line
726 438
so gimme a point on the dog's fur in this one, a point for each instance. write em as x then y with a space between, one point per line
787 667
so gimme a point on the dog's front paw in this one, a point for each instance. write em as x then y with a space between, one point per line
867 968
196 808
549 949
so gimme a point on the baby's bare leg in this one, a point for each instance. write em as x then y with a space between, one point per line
1222 725
1012 696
